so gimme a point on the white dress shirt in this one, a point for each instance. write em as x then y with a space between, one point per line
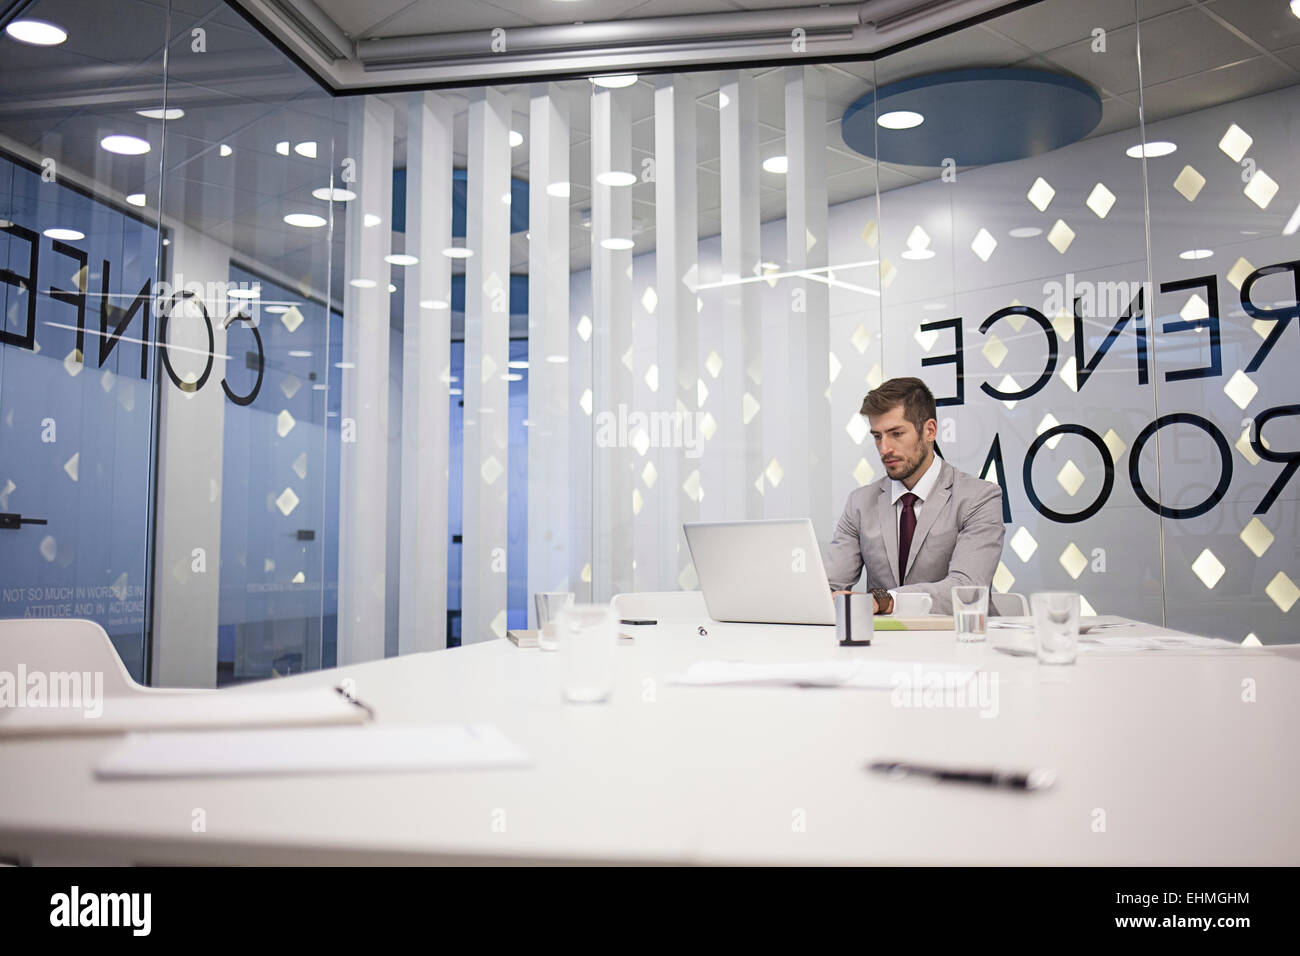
922 489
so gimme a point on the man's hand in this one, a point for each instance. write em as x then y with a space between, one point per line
876 607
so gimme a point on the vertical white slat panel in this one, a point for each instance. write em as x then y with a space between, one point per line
186 605
798 376
487 345
426 363
549 408
677 321
582 445
734 463
363 463
613 456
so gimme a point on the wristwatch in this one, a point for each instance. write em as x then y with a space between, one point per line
883 599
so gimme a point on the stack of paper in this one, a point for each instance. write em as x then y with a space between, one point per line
184 711
1166 642
864 674
312 750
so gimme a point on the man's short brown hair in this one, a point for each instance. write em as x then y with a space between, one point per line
912 393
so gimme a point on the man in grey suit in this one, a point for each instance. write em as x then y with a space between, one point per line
925 526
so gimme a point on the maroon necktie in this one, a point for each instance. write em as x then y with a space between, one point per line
906 527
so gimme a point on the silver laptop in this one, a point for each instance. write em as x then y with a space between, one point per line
766 572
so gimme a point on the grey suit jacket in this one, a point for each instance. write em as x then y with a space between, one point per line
958 538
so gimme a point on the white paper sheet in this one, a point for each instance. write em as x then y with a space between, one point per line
183 711
882 675
1104 632
374 748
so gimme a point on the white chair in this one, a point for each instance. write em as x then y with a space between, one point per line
70 644
661 605
1008 604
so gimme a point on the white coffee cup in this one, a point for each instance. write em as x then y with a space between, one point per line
912 604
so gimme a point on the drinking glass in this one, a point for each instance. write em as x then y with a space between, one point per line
587 634
548 604
1056 626
970 612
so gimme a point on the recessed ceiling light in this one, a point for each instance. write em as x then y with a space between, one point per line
433 304
167 242
67 235
457 252
518 363
616 178
899 119
615 82
345 365
516 138
1150 150
777 164
1025 232
391 288
400 259
335 193
304 220
225 150
559 190
454 391
125 145
1195 254
36 32
363 283
511 377
918 254
371 220
253 293
616 244
299 353
282 147
307 149
136 199
276 310
171 114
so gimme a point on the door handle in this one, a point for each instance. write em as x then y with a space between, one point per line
12 522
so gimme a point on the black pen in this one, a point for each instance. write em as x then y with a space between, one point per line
351 699
1013 779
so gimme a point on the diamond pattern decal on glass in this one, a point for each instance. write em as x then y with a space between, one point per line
1023 544
1073 561
1208 568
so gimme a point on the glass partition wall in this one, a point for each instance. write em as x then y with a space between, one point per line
299 380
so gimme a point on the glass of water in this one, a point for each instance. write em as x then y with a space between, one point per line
1056 626
587 634
547 605
970 611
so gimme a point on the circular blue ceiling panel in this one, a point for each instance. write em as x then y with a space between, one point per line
975 117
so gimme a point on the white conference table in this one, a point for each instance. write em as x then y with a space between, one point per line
1160 742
